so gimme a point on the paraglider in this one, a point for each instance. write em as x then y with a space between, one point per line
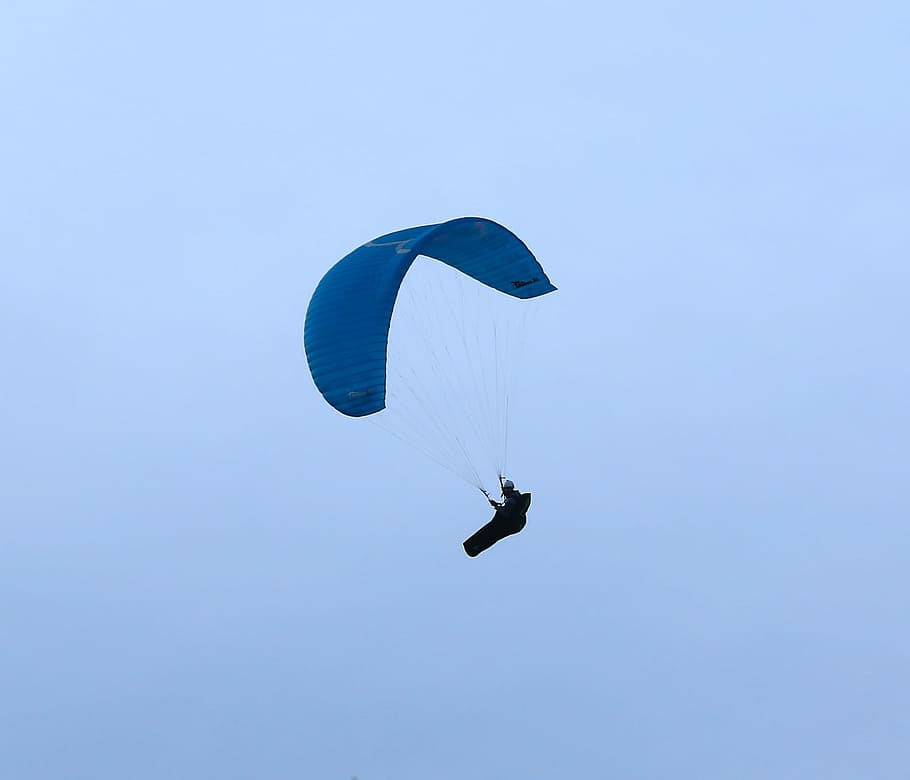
449 411
510 518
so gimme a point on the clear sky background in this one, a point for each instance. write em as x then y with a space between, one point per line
206 573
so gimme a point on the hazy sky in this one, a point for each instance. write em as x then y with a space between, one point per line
207 573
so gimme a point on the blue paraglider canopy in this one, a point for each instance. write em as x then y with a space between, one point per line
347 322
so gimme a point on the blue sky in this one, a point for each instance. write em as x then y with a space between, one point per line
204 572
